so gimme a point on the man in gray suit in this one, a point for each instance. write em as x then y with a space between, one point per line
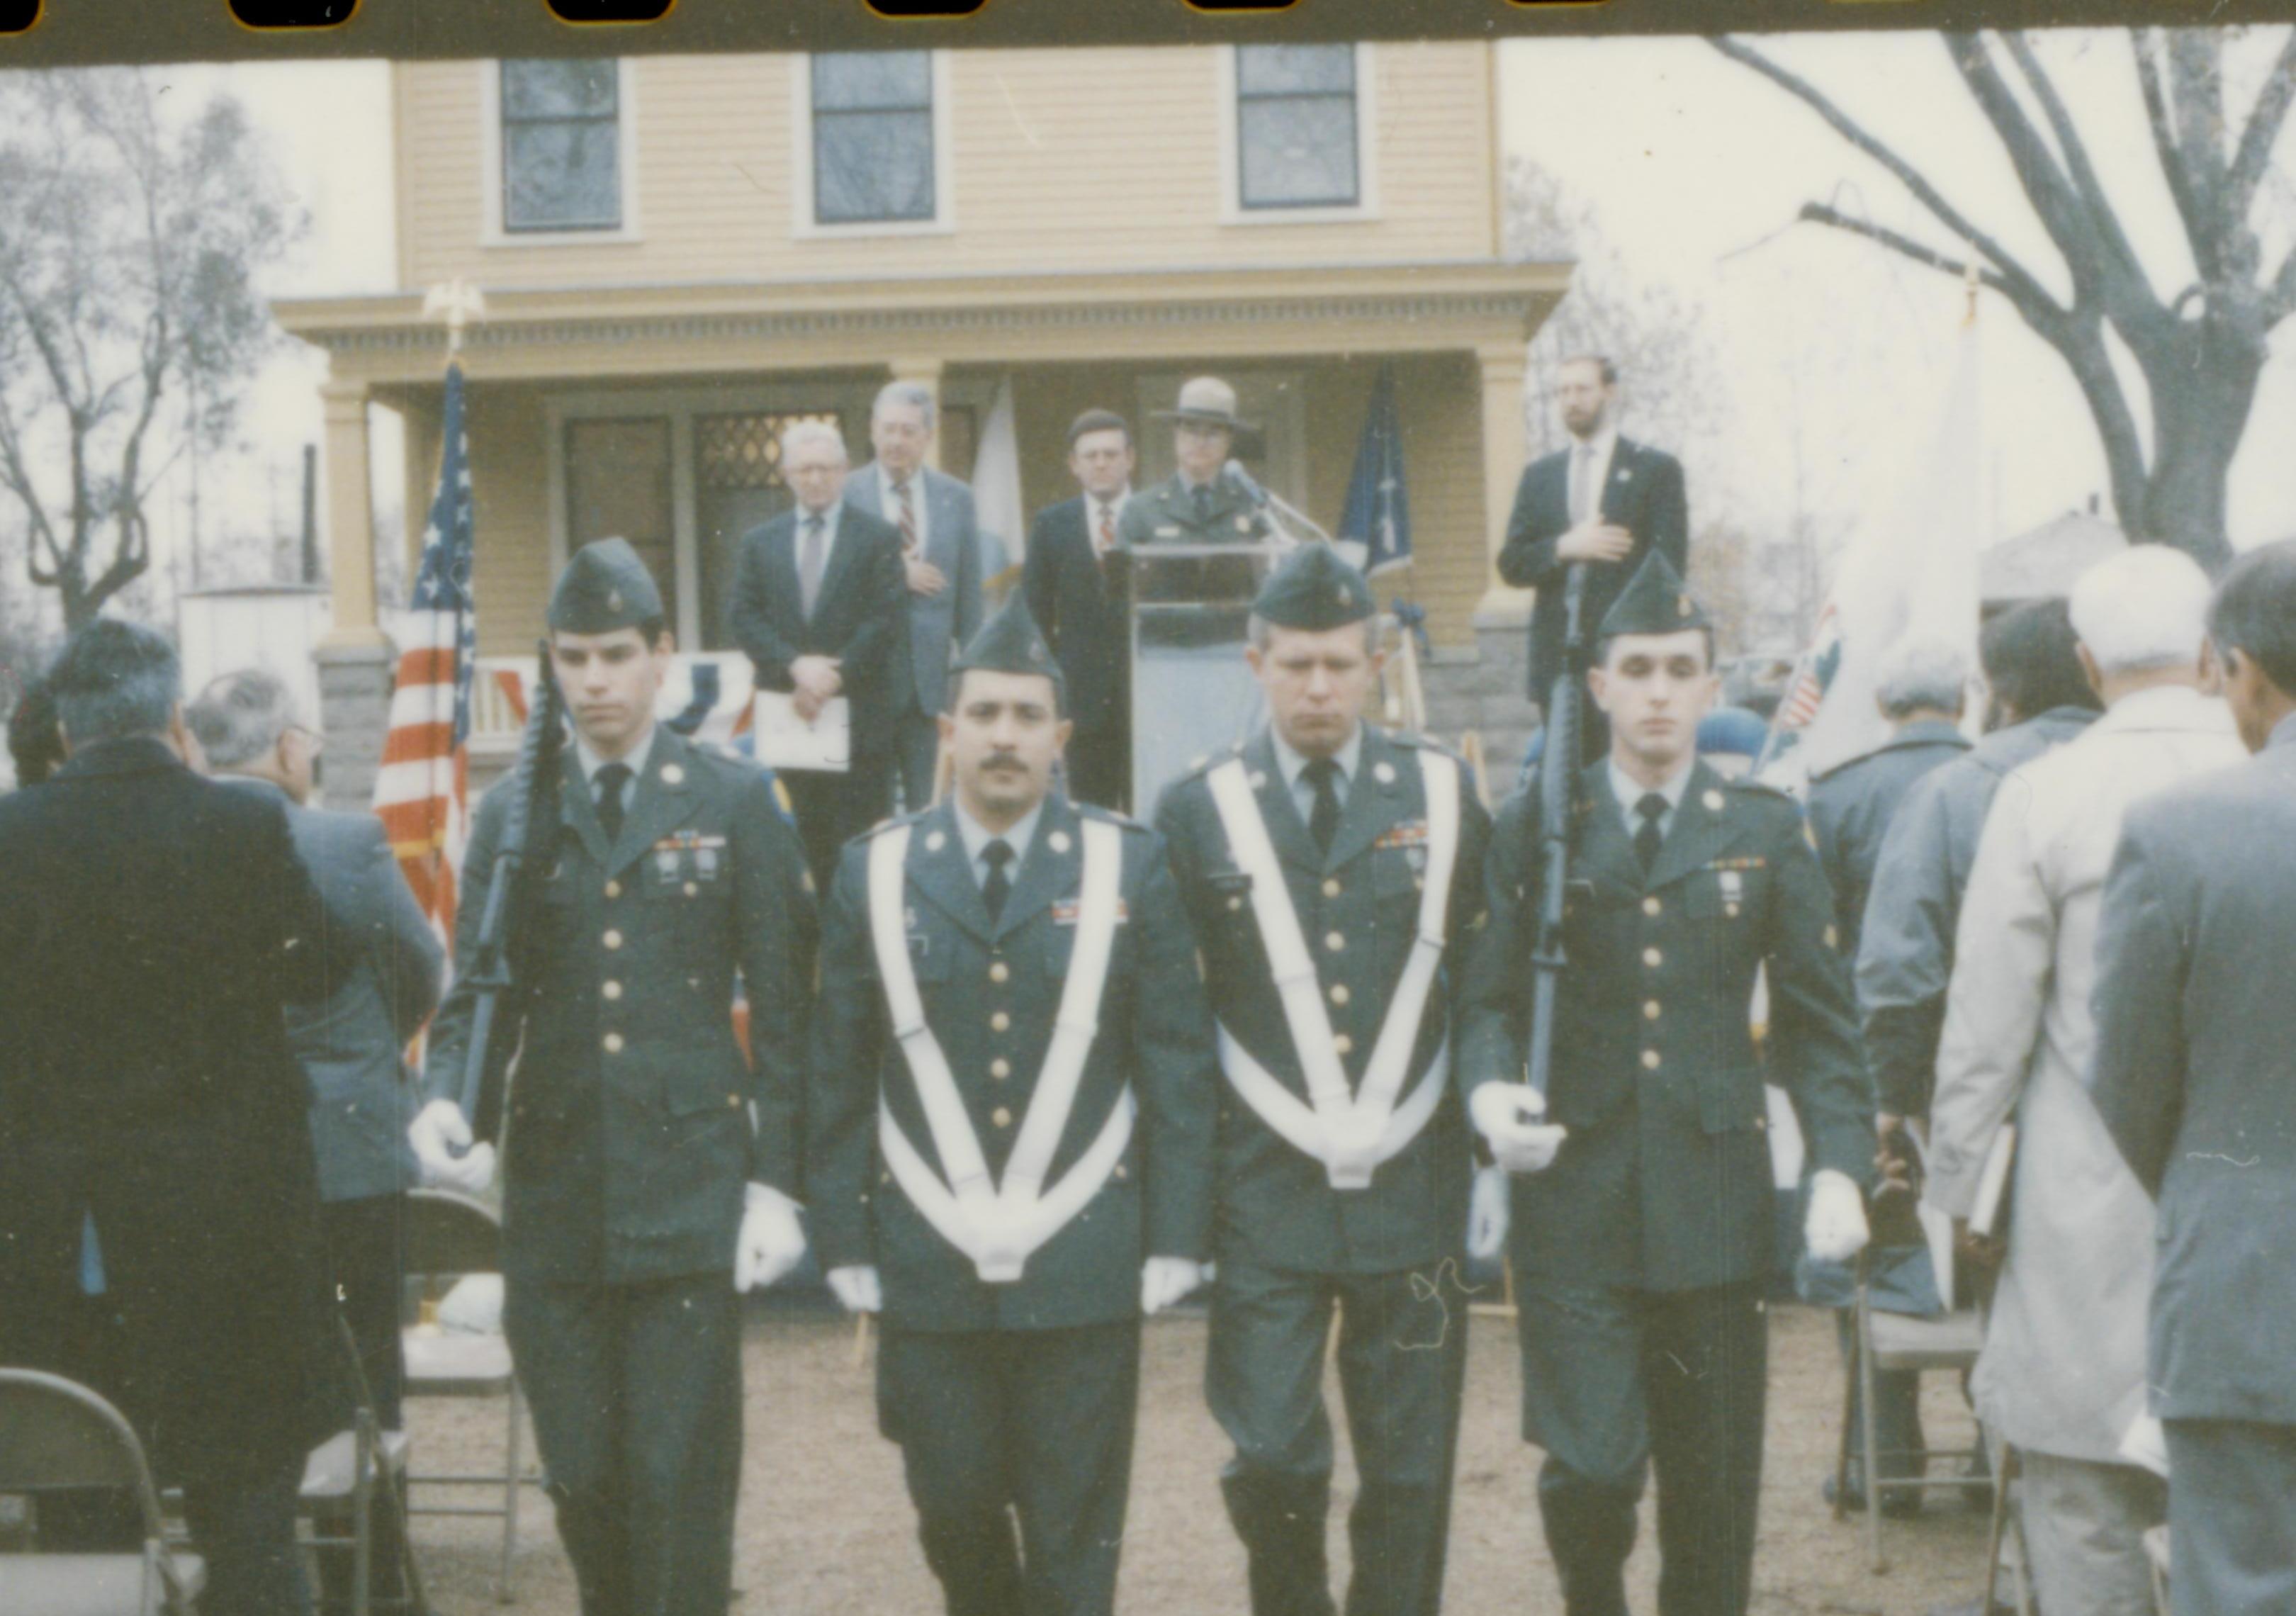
2194 1024
384 965
940 545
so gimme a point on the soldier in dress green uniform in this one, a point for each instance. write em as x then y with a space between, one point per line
1009 1139
649 1164
1332 870
1642 1215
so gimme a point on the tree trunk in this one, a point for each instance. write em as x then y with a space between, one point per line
2201 390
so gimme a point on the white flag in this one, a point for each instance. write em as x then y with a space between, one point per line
997 476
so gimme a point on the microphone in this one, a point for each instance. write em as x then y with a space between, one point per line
1233 471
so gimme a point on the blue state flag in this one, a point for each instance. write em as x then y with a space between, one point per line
1375 528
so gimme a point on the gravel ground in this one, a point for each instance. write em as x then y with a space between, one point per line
825 1526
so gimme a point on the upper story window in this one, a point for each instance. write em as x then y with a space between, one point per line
1299 127
562 145
874 126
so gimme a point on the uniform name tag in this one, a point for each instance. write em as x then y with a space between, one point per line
1065 911
1168 530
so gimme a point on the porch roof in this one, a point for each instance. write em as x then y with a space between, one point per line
532 333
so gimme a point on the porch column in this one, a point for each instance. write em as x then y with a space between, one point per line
1503 366
354 658
925 374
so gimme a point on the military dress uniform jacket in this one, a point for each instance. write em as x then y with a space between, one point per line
1665 1179
628 1135
990 991
1358 909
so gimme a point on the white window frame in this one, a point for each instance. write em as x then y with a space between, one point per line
1366 204
802 222
492 232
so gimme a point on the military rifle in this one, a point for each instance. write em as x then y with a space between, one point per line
1558 775
493 969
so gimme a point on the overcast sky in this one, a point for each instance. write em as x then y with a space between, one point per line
1834 352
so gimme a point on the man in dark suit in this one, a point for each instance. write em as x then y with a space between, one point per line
1072 1190
1072 591
2193 1026
941 557
1606 501
1331 873
1644 1220
651 1162
820 608
384 965
155 1142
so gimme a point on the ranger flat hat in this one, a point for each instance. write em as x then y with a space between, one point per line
1655 601
1010 643
1313 589
604 587
1211 402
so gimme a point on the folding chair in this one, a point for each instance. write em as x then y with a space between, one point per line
57 1435
448 1236
345 1473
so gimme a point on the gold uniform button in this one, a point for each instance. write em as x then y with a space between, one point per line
1330 886
613 1042
613 889
1000 1069
692 888
1649 1060
1650 906
1339 993
1652 957
1121 1172
1343 1044
1650 1010
1235 903
1000 972
612 990
1334 941
612 939
999 1022
1001 1117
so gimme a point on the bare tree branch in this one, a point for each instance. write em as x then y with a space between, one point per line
2263 131
2184 189
2125 270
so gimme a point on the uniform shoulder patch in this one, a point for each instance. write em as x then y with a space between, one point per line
1746 787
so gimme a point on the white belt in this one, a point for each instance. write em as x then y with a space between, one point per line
1306 1130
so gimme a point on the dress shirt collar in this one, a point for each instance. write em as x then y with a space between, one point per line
1604 443
1295 763
1629 790
829 517
977 836
635 758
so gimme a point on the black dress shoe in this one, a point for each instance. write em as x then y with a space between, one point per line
1899 1501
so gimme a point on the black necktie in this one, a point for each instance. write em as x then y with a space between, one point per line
609 781
997 887
1323 774
1653 808
1204 504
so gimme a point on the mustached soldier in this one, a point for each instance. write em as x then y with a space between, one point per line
1011 1108
1642 1211
649 1165
1330 870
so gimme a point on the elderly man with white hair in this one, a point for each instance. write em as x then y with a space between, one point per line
2062 1372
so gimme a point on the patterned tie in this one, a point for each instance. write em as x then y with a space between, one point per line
810 561
1582 484
1323 774
997 887
609 781
1107 525
908 516
1653 808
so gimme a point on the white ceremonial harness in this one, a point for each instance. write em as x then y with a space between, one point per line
1351 1134
999 1225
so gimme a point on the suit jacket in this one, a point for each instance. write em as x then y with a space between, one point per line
939 625
1275 1200
1155 1034
1665 1178
1852 803
629 1129
153 925
1643 495
857 616
2195 1023
1081 610
383 962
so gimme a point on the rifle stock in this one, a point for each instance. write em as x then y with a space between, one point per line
491 970
1558 773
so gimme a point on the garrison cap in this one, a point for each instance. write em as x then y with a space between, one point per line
1655 601
1313 589
1010 643
604 587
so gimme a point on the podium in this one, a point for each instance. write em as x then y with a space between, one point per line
1189 607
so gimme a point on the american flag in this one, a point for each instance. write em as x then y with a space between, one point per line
422 792
1813 676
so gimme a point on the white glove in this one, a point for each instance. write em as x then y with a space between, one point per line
771 1240
858 1289
1487 1210
1511 1116
440 1136
1165 1280
1835 1230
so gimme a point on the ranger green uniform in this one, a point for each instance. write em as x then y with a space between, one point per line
1290 1245
634 1122
1018 1391
1640 1255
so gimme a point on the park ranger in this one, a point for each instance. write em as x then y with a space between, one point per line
1010 1138
1330 870
1643 1213
649 1166
1207 500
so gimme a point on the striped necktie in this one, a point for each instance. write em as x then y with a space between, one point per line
908 515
